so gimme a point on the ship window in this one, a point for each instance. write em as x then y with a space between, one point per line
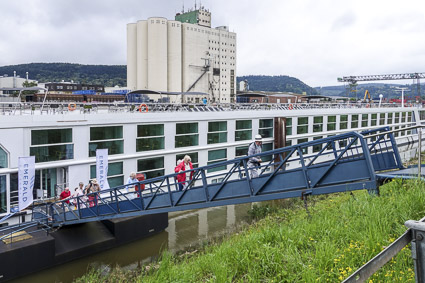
396 133
331 123
106 137
403 117
266 128
186 134
217 132
3 158
390 118
51 145
409 117
304 150
215 156
288 127
373 120
243 130
267 147
382 119
151 167
317 147
402 133
105 133
57 136
354 121
288 143
343 123
3 194
422 115
150 137
397 118
241 151
302 125
115 174
317 124
193 157
365 121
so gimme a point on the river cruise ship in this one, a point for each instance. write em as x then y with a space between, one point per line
151 138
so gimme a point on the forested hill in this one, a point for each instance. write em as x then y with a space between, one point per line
388 90
108 75
112 75
277 83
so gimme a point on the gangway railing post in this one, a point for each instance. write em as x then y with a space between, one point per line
248 178
419 152
205 185
169 192
304 168
418 248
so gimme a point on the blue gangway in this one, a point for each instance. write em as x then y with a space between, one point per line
339 163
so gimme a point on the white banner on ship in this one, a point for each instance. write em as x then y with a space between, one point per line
102 168
26 176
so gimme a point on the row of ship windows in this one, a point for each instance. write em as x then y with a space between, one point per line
341 143
330 123
52 145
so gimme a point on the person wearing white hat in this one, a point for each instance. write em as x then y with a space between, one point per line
255 161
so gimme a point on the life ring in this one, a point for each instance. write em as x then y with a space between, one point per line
143 108
72 106
290 107
367 105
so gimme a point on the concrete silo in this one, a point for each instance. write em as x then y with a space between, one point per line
142 54
131 56
174 52
157 54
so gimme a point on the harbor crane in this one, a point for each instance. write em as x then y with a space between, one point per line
352 80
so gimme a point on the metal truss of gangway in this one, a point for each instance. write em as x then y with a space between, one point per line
340 163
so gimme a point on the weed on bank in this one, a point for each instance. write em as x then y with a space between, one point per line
343 232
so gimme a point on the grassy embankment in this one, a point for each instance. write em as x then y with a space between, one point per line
343 233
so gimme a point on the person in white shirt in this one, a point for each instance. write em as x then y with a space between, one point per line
131 180
79 192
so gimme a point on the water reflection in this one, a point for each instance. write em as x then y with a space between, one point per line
185 230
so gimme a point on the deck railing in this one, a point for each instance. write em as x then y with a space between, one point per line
35 108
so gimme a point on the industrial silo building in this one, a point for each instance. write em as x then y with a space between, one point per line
182 55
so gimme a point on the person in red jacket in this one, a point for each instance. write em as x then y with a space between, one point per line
66 194
184 178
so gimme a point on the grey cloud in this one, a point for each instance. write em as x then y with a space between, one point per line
306 39
344 21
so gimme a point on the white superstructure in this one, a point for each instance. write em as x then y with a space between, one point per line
64 142
184 55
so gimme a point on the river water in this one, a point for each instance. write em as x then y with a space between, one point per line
186 230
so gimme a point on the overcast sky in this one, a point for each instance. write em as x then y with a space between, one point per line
315 41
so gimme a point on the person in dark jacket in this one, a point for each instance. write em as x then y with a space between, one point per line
254 162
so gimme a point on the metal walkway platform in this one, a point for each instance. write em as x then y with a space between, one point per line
335 164
407 173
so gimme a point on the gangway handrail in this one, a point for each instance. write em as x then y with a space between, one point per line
288 172
396 130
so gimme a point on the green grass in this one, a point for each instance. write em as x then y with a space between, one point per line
343 233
